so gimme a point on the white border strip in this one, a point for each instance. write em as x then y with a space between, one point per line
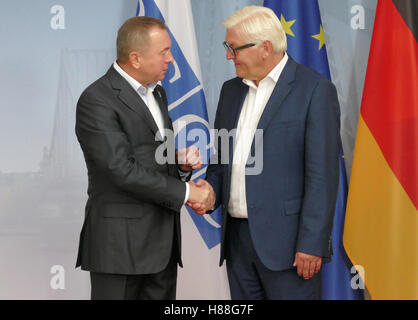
185 97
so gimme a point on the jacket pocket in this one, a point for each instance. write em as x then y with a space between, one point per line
292 207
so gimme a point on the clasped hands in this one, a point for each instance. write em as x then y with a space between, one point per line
201 194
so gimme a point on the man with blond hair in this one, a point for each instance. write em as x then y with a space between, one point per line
276 224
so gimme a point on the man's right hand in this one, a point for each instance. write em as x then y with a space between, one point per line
201 196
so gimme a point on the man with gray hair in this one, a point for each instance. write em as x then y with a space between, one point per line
130 240
277 224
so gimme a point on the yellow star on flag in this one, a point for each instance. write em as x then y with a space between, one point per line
320 37
287 25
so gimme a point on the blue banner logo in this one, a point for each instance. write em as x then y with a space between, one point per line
187 109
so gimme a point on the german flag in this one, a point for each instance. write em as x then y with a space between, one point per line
381 226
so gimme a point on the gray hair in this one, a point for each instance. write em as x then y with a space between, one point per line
257 24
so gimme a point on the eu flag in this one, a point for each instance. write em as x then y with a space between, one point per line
301 21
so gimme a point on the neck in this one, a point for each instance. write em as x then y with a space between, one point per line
270 64
132 72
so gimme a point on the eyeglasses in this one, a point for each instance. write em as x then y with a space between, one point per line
233 51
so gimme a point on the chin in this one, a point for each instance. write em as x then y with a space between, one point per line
240 74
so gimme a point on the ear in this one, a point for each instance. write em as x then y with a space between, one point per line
135 59
268 48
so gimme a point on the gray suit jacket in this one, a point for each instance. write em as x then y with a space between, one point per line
132 220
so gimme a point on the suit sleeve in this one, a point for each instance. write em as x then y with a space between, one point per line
322 146
107 149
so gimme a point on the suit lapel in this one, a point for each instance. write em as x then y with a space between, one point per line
161 99
131 99
236 111
281 90
236 107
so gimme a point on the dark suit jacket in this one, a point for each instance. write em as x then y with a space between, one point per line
132 215
291 203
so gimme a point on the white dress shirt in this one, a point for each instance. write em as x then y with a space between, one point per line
147 96
252 109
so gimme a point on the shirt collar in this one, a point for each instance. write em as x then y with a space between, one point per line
134 84
274 73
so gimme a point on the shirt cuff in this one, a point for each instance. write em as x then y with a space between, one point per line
187 193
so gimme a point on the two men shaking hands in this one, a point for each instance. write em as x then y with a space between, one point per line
201 195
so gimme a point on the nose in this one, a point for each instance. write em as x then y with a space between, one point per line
229 55
170 57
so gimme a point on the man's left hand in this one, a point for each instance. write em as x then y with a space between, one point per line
189 159
307 264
